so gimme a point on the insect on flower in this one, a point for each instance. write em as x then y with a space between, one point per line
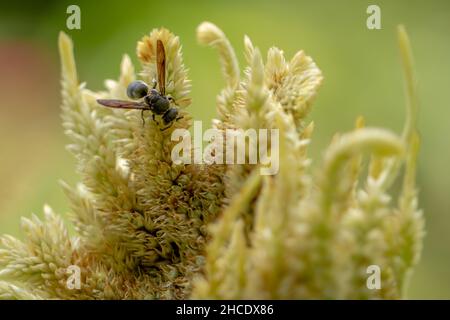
153 100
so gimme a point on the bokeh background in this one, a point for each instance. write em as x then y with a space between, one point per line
361 68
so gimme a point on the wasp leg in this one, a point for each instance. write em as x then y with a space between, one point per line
171 123
154 119
165 128
142 117
172 100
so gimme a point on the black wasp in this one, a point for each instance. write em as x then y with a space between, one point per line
157 102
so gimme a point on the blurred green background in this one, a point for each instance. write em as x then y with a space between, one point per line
361 68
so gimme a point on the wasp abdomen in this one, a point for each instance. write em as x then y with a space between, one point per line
170 115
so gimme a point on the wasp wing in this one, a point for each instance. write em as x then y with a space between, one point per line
123 104
161 66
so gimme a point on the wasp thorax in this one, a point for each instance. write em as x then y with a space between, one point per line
137 89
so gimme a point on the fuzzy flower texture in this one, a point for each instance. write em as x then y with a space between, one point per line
147 228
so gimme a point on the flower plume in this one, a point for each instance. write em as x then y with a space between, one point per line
149 228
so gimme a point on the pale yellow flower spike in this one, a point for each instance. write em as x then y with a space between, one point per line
177 83
210 34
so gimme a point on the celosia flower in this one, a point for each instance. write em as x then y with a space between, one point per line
149 228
